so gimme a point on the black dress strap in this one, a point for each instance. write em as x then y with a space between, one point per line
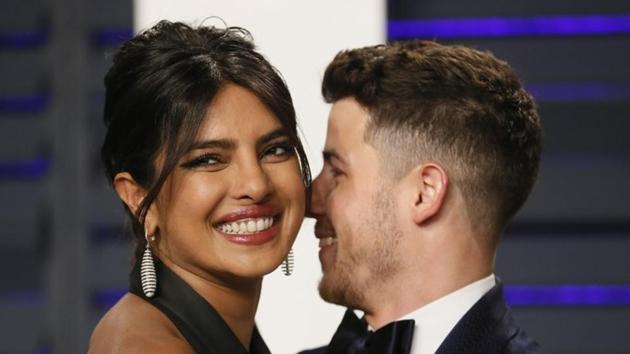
196 319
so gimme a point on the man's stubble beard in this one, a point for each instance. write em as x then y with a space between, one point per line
362 271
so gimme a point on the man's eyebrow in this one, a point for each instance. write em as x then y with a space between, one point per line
330 154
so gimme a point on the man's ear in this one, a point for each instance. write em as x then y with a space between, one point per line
431 183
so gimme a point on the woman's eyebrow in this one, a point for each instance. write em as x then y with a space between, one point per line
274 134
225 144
229 144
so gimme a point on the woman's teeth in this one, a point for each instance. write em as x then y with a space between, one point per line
327 241
246 226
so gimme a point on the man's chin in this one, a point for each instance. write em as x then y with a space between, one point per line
339 292
328 293
327 258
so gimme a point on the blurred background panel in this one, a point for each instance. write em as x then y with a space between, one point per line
60 224
64 255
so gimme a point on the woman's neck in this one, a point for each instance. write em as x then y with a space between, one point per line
236 300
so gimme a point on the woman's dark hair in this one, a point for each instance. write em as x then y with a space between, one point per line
157 93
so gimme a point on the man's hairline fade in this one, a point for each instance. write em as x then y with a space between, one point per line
379 131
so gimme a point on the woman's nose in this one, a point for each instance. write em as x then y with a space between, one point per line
252 182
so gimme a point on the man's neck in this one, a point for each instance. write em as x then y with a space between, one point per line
395 302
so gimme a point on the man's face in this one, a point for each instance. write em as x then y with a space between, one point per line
353 205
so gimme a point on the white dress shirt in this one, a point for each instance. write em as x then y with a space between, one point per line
435 321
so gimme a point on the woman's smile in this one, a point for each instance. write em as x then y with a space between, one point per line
252 225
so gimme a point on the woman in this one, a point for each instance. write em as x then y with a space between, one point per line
202 148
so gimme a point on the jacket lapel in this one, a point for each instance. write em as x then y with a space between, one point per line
486 328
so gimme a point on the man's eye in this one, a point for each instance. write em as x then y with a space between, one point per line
336 172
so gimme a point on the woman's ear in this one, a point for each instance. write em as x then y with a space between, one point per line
431 185
132 194
129 191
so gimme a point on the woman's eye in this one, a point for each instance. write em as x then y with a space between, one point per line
278 153
205 161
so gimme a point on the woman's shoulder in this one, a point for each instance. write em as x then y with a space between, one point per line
135 326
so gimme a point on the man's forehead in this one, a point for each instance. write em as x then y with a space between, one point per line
346 123
345 143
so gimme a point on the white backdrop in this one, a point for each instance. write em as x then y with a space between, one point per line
299 38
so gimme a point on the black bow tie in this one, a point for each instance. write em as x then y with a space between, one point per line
353 337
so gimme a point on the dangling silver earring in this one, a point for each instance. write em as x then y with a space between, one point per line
287 264
148 278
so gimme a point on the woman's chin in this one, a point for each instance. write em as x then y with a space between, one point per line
254 271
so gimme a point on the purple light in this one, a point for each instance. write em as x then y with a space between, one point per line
105 299
509 27
516 296
582 91
38 38
23 297
20 40
24 104
568 295
102 233
24 169
111 37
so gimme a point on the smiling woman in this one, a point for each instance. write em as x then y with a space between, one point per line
202 149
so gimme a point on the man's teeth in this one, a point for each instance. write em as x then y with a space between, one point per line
246 226
327 241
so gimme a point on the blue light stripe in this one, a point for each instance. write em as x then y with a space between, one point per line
596 25
37 38
568 295
24 169
543 92
569 228
23 297
21 40
104 233
580 91
111 37
34 103
105 299
516 295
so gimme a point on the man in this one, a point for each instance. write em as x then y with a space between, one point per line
430 151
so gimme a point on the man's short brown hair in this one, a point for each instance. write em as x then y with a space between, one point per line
459 107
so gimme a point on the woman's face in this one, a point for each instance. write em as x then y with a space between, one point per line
234 204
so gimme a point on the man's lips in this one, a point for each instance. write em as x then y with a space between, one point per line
327 241
325 233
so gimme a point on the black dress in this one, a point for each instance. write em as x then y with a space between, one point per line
196 319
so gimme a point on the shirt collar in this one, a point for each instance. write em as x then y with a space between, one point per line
435 320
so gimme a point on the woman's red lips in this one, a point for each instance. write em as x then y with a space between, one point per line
254 211
252 225
253 239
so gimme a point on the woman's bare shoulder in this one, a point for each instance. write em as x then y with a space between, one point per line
134 326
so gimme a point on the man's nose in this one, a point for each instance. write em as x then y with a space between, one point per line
315 207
